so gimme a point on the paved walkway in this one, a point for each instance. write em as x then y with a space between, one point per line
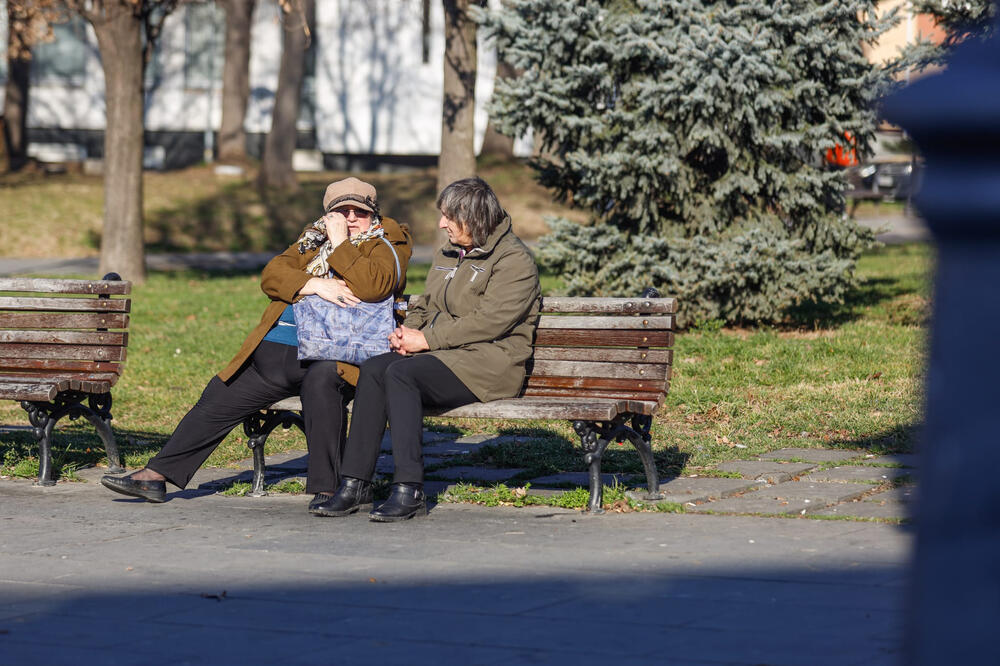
86 575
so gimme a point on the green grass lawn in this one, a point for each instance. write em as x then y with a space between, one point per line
848 376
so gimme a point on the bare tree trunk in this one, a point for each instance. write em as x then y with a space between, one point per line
119 37
458 157
276 167
15 102
235 80
496 144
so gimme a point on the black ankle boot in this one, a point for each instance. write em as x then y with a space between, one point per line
406 500
352 495
318 499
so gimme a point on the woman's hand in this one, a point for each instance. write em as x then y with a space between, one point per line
407 341
336 227
334 290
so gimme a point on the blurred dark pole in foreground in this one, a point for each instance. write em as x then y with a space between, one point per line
955 578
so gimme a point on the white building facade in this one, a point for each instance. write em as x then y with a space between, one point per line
372 97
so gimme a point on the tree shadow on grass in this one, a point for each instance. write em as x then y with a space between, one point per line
237 218
898 439
241 217
874 292
75 445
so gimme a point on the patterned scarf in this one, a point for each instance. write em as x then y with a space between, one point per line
315 236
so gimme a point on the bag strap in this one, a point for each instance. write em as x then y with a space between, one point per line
395 256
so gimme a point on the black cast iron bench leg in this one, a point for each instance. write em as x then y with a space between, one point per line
258 428
595 437
44 416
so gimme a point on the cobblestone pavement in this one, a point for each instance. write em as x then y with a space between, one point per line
791 482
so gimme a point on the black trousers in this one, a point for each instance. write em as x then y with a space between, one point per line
273 373
396 389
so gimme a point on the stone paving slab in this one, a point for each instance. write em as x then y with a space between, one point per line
772 472
432 436
890 510
811 455
792 497
904 459
686 490
474 473
451 448
858 474
583 479
385 465
907 493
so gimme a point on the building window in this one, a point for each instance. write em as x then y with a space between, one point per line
63 60
203 46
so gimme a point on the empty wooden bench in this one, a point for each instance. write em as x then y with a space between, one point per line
602 363
62 347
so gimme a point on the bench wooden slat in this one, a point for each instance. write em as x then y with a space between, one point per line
604 354
65 304
75 352
554 408
90 386
60 382
558 337
54 375
647 396
592 369
600 383
68 365
622 305
65 337
57 320
647 408
604 323
594 409
59 286
28 391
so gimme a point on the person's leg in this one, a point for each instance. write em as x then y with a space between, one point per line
368 418
323 411
423 381
271 376
363 442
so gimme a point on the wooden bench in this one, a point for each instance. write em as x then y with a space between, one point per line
62 343
602 363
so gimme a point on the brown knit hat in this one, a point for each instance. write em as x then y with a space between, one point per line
351 190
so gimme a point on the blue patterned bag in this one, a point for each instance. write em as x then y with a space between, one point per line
328 332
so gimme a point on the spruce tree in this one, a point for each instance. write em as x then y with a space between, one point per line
694 132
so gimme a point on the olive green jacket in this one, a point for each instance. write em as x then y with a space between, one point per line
369 269
479 313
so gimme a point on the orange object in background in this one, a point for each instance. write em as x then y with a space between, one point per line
843 158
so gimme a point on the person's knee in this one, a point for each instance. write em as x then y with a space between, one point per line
322 376
400 373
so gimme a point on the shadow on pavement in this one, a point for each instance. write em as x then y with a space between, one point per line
745 616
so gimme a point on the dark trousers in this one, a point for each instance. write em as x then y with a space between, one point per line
396 389
273 373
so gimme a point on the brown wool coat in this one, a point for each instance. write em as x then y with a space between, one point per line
369 269
479 313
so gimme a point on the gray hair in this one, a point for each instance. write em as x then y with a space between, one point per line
471 203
